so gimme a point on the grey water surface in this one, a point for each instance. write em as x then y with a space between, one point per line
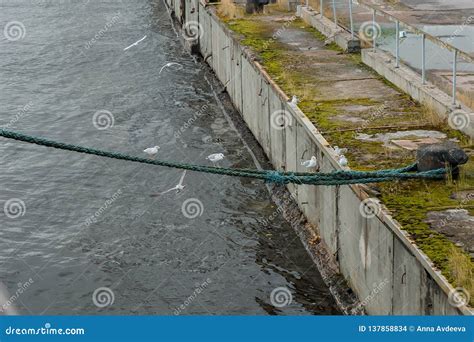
82 234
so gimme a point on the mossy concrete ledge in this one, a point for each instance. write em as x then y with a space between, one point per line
385 65
389 274
410 82
333 32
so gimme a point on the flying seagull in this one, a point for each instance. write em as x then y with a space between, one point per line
134 44
167 65
178 187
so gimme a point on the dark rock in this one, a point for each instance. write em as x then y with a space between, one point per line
436 156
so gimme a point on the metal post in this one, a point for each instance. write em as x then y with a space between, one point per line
321 8
423 59
374 39
397 45
334 11
350 18
455 62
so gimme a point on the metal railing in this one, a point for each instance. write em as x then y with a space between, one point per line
342 13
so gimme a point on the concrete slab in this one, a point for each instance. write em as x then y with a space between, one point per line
328 204
277 132
262 112
291 131
307 194
205 42
365 254
407 282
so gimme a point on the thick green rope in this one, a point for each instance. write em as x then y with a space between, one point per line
332 178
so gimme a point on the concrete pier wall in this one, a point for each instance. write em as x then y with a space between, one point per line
386 271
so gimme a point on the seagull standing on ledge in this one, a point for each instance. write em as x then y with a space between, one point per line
178 187
310 163
134 44
215 157
340 151
294 101
152 151
342 160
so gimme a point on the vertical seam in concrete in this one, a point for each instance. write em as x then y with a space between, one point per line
338 223
393 277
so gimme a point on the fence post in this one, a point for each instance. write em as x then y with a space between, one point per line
334 11
423 59
374 39
455 57
350 18
397 45
321 8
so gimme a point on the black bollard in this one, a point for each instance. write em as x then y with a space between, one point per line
436 156
255 6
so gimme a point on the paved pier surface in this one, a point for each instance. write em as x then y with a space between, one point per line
434 12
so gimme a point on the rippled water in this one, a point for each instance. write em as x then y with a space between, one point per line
86 222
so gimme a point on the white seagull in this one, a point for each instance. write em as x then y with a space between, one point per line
340 151
167 65
310 163
294 101
178 187
152 151
342 160
215 157
134 44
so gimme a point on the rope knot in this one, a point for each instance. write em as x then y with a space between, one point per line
275 177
